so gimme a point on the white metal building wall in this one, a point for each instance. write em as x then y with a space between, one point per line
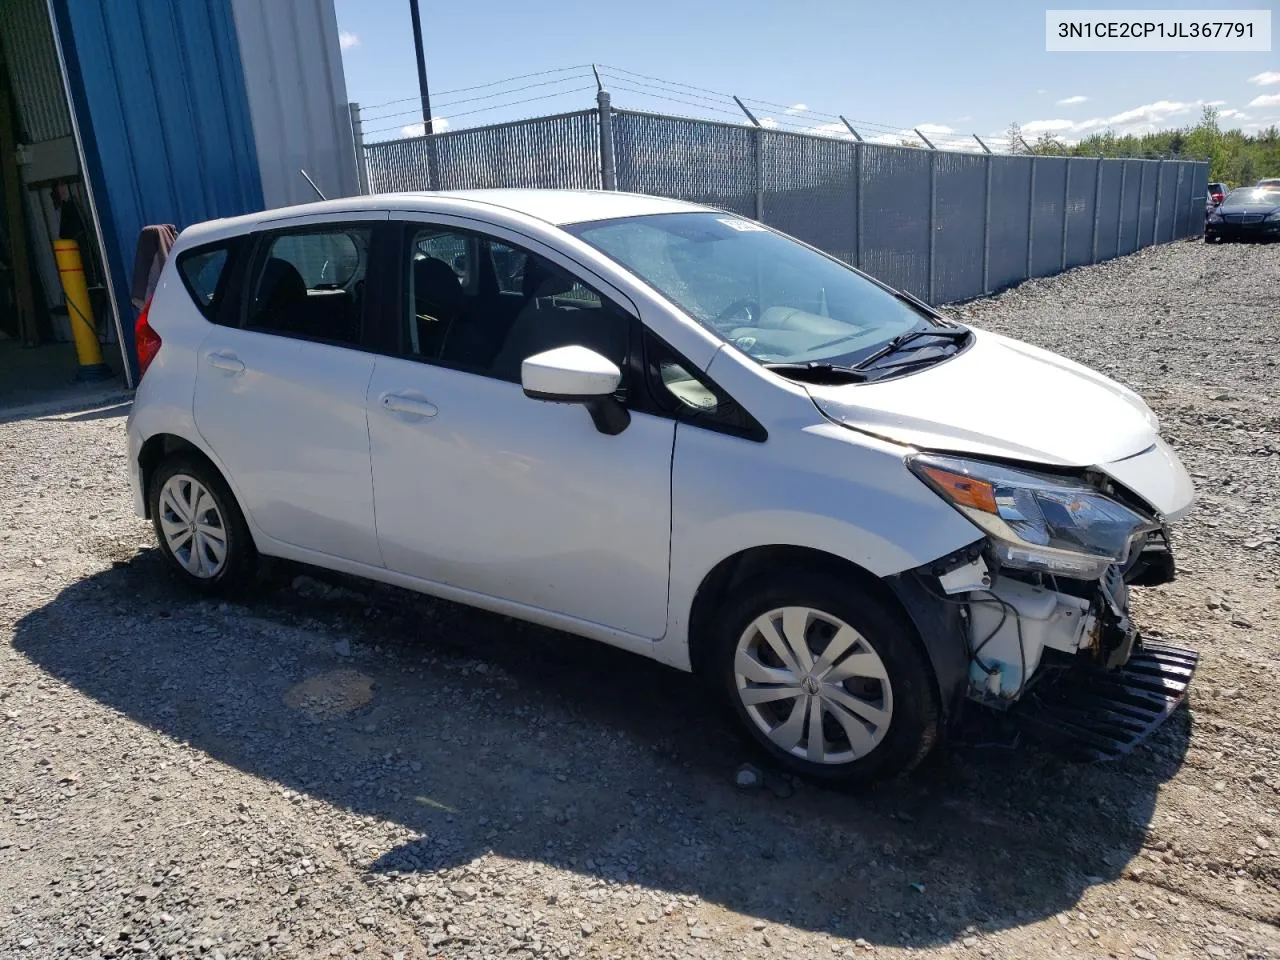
297 98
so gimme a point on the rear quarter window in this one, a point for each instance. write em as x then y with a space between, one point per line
202 271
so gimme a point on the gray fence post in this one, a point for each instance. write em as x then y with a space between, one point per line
1031 214
859 149
1155 223
1124 179
608 172
986 228
1142 188
357 141
1066 198
933 222
760 174
1179 217
1097 201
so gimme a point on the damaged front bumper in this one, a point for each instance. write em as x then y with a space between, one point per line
1061 659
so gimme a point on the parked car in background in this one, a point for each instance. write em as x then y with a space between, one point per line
1247 213
676 431
1270 183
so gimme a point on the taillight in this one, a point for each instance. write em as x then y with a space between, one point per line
146 341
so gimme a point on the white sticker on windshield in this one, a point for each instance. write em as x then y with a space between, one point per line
742 226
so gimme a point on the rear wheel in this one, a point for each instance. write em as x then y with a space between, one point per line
825 678
199 525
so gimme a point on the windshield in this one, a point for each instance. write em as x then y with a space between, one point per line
774 299
1253 197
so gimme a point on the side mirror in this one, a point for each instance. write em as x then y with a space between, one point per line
577 375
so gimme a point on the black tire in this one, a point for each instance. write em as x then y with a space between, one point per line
241 555
914 720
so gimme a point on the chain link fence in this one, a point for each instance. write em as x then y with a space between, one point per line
943 225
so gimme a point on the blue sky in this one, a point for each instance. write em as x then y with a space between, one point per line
950 68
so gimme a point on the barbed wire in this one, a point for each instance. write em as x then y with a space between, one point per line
484 96
496 106
795 118
481 86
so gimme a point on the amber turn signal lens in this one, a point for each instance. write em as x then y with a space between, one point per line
961 490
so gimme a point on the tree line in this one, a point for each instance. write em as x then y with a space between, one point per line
1235 157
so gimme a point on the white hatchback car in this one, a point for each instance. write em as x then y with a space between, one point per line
673 430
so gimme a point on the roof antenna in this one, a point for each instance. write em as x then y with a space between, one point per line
313 184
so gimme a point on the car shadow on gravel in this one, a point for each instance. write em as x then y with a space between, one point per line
481 734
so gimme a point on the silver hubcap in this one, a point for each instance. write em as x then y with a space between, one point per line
813 685
193 526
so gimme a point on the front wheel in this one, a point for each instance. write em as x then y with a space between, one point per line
825 677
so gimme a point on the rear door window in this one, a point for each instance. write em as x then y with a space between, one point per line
202 271
310 284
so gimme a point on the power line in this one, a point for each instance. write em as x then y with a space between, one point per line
483 96
483 86
495 106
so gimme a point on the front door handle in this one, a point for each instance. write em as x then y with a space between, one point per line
226 361
413 406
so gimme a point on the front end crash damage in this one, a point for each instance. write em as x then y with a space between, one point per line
1054 657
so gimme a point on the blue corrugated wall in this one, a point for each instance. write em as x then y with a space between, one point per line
160 98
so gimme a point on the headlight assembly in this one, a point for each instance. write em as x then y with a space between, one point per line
1037 521
1274 216
1215 217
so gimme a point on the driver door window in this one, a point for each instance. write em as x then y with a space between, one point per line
483 306
311 285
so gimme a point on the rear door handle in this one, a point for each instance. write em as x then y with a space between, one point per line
226 361
413 406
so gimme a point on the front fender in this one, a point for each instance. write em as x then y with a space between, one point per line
820 487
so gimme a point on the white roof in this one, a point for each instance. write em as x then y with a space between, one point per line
556 207
569 206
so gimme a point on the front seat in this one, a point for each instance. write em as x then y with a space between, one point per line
544 324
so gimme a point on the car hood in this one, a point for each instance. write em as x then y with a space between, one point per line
1000 398
1264 209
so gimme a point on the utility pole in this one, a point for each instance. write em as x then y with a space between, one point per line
422 66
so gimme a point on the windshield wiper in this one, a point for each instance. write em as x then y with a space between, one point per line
901 340
817 371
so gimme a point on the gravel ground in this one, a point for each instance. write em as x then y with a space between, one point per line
333 769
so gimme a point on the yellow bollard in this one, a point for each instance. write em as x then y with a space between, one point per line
83 330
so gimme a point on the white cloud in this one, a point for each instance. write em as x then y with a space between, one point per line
796 108
347 40
768 122
438 125
1153 112
963 119
837 130
1236 114
1266 100
1215 103
1266 78
1042 91
1068 101
938 128
1037 127
1143 119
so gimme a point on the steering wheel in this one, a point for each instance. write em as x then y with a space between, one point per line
741 309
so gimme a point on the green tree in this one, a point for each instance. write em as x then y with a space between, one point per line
1234 156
